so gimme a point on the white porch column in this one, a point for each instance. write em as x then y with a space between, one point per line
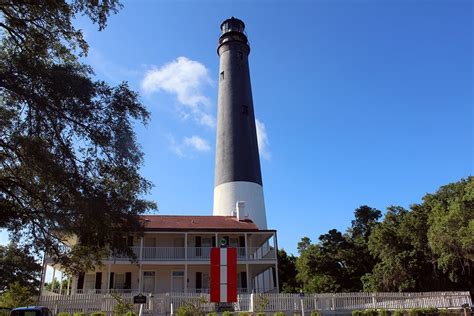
246 247
108 277
43 276
141 249
275 244
185 278
140 270
61 284
186 246
140 278
249 286
52 282
68 291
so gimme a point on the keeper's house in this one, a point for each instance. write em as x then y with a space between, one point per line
174 256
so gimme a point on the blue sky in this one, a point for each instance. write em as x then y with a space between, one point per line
358 102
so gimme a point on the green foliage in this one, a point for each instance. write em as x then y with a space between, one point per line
79 314
383 312
338 261
16 295
227 313
260 314
315 313
428 247
399 312
18 265
192 308
261 302
130 313
122 307
98 314
451 231
287 272
55 285
211 314
64 314
408 242
422 311
279 314
67 144
371 312
357 313
243 314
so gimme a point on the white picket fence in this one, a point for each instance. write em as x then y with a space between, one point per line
160 304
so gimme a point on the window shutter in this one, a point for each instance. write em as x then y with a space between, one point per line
98 280
198 280
243 279
128 280
111 285
80 281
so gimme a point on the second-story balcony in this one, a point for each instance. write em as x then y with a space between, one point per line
194 254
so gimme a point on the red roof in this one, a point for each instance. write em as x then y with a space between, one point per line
184 222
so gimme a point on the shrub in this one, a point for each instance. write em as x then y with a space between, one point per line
261 314
227 314
399 312
383 312
63 314
130 313
315 313
279 314
243 314
371 312
414 312
79 314
211 314
357 313
98 314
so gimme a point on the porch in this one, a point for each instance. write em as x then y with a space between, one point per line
158 278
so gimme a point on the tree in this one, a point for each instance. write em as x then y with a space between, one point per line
69 161
16 295
17 265
287 272
359 261
451 230
338 261
406 262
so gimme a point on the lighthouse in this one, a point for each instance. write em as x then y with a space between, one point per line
238 187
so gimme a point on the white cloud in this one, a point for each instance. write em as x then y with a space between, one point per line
185 78
262 139
197 143
194 143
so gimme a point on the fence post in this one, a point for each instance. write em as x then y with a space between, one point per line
251 302
374 301
333 303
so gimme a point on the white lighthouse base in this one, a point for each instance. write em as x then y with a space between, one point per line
226 195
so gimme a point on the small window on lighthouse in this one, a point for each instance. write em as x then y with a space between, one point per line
222 75
245 109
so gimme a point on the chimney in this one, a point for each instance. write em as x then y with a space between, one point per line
240 210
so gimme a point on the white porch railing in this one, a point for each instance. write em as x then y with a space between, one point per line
325 303
195 254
